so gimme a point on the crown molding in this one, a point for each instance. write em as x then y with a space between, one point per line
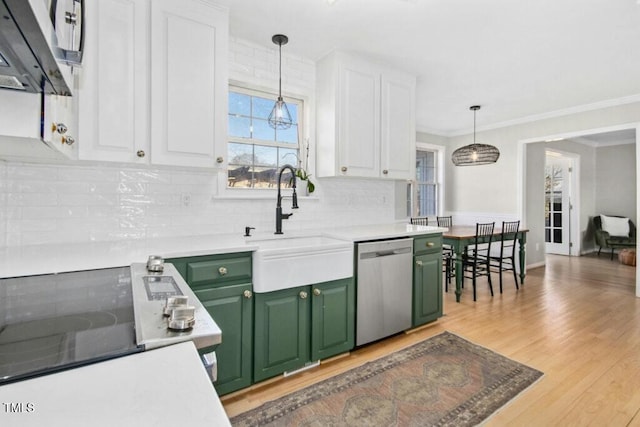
544 116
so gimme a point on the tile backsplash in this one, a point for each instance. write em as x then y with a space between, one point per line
44 203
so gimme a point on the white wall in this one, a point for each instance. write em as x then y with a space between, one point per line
58 203
615 186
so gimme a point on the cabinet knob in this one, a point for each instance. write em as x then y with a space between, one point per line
419 263
430 244
247 294
222 271
386 172
303 295
61 128
140 153
219 159
343 169
317 292
69 140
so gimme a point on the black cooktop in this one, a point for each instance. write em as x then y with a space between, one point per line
54 322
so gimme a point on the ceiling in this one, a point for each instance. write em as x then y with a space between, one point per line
518 59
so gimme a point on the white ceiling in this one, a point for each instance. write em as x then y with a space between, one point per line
515 58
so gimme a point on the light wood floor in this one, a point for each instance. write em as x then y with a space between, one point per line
577 320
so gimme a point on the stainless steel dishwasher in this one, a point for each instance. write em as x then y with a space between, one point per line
384 289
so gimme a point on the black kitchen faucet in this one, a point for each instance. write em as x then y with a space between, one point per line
279 215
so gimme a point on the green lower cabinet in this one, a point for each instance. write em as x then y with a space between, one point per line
232 309
332 318
299 325
281 332
427 288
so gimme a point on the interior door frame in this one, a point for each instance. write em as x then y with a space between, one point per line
575 243
522 168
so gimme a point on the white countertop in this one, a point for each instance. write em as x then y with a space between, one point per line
363 233
57 258
166 386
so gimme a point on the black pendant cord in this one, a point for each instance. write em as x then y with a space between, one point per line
280 72
474 126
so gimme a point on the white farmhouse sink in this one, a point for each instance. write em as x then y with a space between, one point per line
286 262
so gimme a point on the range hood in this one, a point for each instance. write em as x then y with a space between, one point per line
31 59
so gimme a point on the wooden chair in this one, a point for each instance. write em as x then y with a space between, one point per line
503 258
475 259
448 256
419 220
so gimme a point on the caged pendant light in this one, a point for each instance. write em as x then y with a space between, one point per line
280 118
475 154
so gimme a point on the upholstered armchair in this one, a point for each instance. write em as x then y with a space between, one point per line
612 233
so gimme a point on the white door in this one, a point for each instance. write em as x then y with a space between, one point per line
557 204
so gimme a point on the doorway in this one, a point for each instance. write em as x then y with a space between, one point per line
560 174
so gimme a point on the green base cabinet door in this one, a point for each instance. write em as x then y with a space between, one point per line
281 331
222 283
332 318
427 288
232 309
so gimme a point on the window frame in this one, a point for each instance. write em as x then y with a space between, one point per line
300 147
439 183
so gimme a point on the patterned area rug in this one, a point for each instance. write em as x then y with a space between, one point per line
442 381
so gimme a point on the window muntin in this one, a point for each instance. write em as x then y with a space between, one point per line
256 151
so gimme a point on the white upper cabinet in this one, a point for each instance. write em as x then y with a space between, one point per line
366 119
154 83
189 83
112 95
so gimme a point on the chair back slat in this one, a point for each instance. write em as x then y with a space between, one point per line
419 220
484 236
509 237
444 221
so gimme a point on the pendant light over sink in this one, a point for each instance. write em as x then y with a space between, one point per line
475 154
280 118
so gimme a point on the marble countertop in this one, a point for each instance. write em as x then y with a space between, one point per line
166 386
57 258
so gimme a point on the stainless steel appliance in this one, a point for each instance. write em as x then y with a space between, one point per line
384 289
54 322
39 39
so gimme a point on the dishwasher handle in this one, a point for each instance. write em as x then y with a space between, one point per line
379 254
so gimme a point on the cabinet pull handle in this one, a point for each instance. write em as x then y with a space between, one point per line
419 263
385 172
222 271
343 169
247 294
317 292
140 153
430 244
69 140
303 295
219 159
61 128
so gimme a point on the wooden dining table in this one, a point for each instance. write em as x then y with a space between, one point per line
460 236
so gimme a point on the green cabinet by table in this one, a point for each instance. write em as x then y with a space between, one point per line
223 284
427 279
303 324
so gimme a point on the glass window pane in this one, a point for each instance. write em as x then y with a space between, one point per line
288 156
262 130
239 176
293 110
288 135
547 235
265 177
239 126
557 235
239 103
262 107
557 219
240 154
266 156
